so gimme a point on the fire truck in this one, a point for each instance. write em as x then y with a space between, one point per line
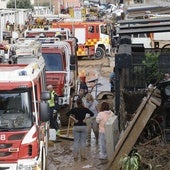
23 113
61 72
47 32
62 34
61 68
93 37
59 52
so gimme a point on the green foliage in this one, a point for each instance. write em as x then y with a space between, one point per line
22 4
152 69
130 162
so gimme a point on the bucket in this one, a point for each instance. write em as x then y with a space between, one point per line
52 134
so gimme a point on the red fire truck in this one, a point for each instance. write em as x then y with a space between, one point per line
61 68
23 115
62 34
93 37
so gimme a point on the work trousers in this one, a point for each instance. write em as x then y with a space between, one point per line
102 145
80 134
53 119
92 125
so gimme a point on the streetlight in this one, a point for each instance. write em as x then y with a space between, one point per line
38 7
15 4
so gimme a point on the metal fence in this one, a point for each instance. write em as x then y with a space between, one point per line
133 74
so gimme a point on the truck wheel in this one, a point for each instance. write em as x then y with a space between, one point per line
100 53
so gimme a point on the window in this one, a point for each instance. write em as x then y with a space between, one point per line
138 1
53 62
91 29
15 109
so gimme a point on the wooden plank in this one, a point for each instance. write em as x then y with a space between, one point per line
133 131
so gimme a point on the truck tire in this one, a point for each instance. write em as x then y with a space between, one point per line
100 53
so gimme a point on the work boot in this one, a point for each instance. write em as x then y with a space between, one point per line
88 144
82 153
83 158
75 155
97 142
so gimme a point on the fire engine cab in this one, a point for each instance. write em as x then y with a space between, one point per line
93 37
23 114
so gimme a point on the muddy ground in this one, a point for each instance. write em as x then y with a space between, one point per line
156 153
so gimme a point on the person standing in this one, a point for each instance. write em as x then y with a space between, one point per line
53 107
91 104
102 118
79 115
112 80
82 94
166 76
83 86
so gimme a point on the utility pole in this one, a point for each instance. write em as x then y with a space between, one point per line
38 7
15 12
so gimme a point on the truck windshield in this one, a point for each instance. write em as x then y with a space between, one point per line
15 110
105 29
53 62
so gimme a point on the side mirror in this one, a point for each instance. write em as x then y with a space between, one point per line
45 95
72 59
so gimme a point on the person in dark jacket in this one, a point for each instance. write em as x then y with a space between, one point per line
79 115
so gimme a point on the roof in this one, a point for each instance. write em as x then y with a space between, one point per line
21 72
144 25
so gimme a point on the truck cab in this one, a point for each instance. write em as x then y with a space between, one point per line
23 115
93 37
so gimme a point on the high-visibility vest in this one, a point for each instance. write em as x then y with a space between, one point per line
51 102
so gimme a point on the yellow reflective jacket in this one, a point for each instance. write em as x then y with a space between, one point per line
51 102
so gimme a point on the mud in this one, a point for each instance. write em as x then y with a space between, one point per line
60 155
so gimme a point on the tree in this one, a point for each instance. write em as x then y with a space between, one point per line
152 67
23 4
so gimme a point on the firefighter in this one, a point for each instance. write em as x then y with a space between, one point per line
53 106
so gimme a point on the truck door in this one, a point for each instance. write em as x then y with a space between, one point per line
80 34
